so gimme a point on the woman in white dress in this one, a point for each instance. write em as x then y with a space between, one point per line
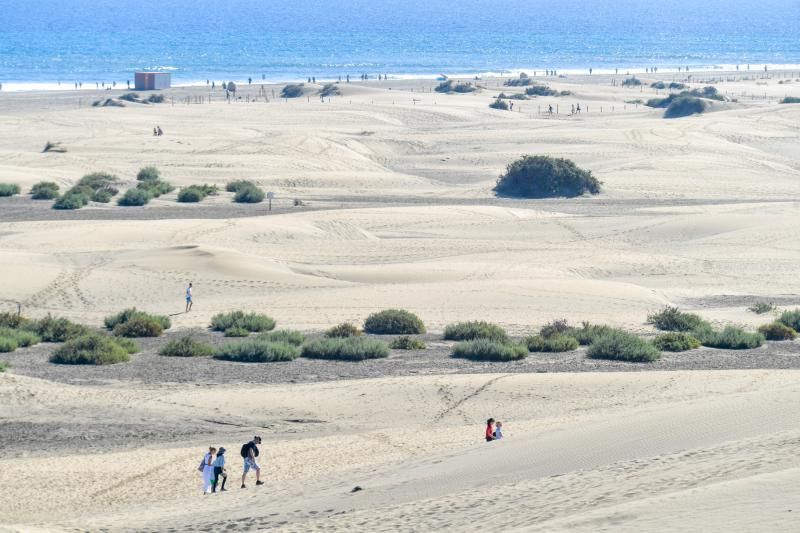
207 469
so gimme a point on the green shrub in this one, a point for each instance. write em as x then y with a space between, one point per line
284 335
71 200
8 344
91 349
249 195
97 180
127 344
293 90
772 332
791 319
236 332
139 326
553 343
256 351
467 331
23 338
45 190
135 197
149 173
329 89
103 196
250 321
540 90
235 186
4 366
196 193
675 341
345 349
488 350
345 329
760 308
672 319
514 96
499 104
684 106
587 333
394 322
9 189
450 86
544 176
790 100
186 347
556 327
623 346
155 187
631 82
518 82
731 338
129 314
55 329
407 343
156 98
11 320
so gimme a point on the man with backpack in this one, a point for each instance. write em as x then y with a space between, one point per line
249 454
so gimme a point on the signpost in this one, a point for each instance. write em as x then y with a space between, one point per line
270 196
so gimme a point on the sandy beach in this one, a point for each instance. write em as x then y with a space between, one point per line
383 199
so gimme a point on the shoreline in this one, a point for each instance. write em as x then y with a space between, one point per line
15 86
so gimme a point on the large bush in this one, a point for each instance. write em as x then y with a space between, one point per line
489 350
71 200
155 187
186 347
467 331
555 327
254 322
451 86
499 104
791 319
22 337
684 106
518 82
631 82
135 197
407 343
45 190
256 350
540 90
672 319
552 343
196 193
731 338
345 349
249 195
675 341
394 322
328 90
623 346
55 329
91 349
544 176
293 90
772 332
9 189
284 335
236 185
139 326
345 329
149 173
129 314
588 333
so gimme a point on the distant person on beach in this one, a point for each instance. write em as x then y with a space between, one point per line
155 132
578 109
207 469
219 471
189 298
490 430
250 453
550 109
160 131
498 430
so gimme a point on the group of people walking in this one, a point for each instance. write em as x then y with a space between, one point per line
215 473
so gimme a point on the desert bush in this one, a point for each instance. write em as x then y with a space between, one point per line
23 338
345 349
451 86
631 82
513 96
148 173
155 187
127 344
623 346
90 349
236 331
129 314
196 193
71 200
55 329
108 102
186 347
103 196
250 321
791 319
139 326
284 335
541 90
55 147
499 104
554 343
156 98
8 344
658 85
345 329
394 322
467 331
9 189
731 338
790 100
489 350
544 176
329 89
256 350
772 332
684 106
672 319
556 327
249 195
97 180
661 102
518 82
45 190
587 333
135 197
760 308
11 320
236 185
675 341
407 343
130 97
293 90
708 92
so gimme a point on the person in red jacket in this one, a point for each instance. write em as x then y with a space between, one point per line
490 430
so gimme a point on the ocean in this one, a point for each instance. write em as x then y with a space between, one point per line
47 42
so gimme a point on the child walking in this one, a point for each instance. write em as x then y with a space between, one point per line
219 471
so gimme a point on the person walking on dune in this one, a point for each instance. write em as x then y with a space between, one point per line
219 471
249 453
207 469
189 298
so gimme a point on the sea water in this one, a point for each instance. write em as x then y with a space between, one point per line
47 42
